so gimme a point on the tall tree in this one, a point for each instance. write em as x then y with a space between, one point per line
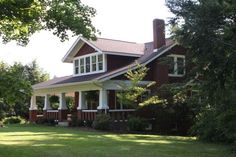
19 19
207 28
130 94
15 83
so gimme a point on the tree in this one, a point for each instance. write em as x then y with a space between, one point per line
207 28
15 82
131 93
19 19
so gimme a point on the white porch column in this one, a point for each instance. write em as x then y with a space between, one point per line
62 102
47 105
81 101
102 99
33 105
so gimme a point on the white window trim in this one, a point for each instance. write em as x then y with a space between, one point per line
91 72
175 56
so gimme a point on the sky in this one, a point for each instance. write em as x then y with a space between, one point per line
129 20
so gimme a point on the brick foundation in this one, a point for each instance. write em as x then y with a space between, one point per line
62 115
32 116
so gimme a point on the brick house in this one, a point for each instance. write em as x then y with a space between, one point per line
99 66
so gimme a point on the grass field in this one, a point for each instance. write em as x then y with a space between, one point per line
42 141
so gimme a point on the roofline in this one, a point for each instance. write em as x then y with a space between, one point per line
65 84
122 54
132 66
75 43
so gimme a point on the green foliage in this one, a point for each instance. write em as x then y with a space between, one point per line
131 93
137 124
207 29
176 115
13 120
102 122
19 19
15 83
45 121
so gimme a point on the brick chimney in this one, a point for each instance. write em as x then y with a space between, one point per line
158 33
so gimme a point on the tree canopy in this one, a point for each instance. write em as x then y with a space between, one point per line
19 19
207 28
15 83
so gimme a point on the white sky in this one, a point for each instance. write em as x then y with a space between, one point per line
129 20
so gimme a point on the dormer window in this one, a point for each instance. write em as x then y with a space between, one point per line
176 65
89 64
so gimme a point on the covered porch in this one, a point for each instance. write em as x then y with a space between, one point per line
89 100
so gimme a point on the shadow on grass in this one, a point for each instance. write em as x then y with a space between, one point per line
55 141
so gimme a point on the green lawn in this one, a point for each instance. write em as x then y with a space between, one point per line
41 141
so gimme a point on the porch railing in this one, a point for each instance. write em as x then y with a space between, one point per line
52 114
116 115
88 114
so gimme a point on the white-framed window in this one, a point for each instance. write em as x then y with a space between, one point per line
89 64
176 65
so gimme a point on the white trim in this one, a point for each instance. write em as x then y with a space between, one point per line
123 54
64 59
89 110
176 56
33 105
64 85
47 105
104 64
62 102
103 96
52 111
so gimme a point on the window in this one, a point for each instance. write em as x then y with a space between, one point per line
94 63
76 66
82 65
89 64
100 62
176 65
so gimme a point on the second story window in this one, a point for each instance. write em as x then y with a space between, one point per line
176 65
89 64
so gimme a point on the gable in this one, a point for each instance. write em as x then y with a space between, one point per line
84 50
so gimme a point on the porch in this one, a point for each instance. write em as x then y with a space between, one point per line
89 101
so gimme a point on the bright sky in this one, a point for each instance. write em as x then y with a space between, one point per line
129 20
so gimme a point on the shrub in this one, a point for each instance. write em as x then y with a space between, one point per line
137 124
74 120
88 123
2 114
40 120
1 125
102 122
176 118
13 120
45 121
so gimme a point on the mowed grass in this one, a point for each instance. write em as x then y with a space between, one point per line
43 141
